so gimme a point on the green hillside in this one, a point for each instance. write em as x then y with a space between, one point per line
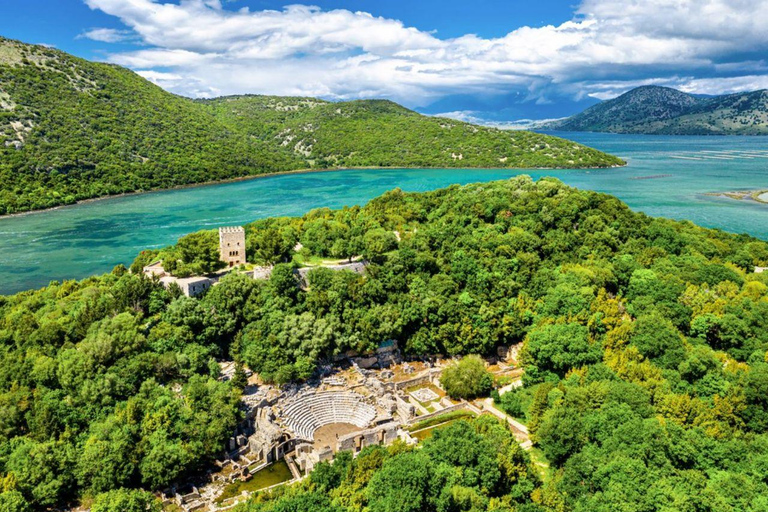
72 129
376 133
645 345
664 111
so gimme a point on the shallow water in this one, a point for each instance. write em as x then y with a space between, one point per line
90 238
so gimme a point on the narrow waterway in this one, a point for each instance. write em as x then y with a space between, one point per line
666 176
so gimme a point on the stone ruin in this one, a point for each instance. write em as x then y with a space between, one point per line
425 395
309 423
281 422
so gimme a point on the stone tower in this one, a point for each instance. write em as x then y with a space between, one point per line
232 245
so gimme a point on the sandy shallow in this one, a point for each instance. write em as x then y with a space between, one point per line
763 197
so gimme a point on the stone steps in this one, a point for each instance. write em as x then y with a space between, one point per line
308 412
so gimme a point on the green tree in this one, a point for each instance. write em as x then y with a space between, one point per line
13 501
656 338
43 471
199 254
404 484
126 500
378 242
467 378
270 246
557 348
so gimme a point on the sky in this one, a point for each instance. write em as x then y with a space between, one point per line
481 60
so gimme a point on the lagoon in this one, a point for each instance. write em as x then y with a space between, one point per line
667 176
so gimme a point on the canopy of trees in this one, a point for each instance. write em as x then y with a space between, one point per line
644 351
101 393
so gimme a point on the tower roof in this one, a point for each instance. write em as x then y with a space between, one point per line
229 230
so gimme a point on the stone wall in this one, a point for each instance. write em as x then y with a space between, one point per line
405 410
427 378
455 407
356 441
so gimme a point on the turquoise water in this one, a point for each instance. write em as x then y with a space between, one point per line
90 238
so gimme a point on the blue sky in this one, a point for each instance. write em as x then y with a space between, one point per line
489 60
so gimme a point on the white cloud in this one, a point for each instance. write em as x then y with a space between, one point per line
474 117
107 35
725 85
172 81
304 50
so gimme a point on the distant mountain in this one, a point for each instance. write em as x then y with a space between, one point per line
71 129
665 111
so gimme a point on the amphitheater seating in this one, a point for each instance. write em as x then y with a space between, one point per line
307 412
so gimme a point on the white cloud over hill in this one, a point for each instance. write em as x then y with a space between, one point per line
202 48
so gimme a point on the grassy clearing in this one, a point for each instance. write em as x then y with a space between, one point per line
442 418
303 259
274 474
427 432
496 406
542 463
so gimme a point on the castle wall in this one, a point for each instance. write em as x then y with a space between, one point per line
456 407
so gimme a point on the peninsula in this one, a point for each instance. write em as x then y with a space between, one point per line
71 129
758 196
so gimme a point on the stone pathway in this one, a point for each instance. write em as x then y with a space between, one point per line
518 429
510 387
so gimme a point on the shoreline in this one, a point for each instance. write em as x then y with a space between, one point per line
286 173
645 134
759 196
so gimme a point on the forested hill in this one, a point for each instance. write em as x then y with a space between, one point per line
645 344
72 129
378 133
665 111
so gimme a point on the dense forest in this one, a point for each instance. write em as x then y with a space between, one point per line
72 129
645 342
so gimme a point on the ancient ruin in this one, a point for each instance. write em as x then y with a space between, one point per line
190 286
355 402
232 253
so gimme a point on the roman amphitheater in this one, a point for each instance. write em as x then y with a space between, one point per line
365 402
348 411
